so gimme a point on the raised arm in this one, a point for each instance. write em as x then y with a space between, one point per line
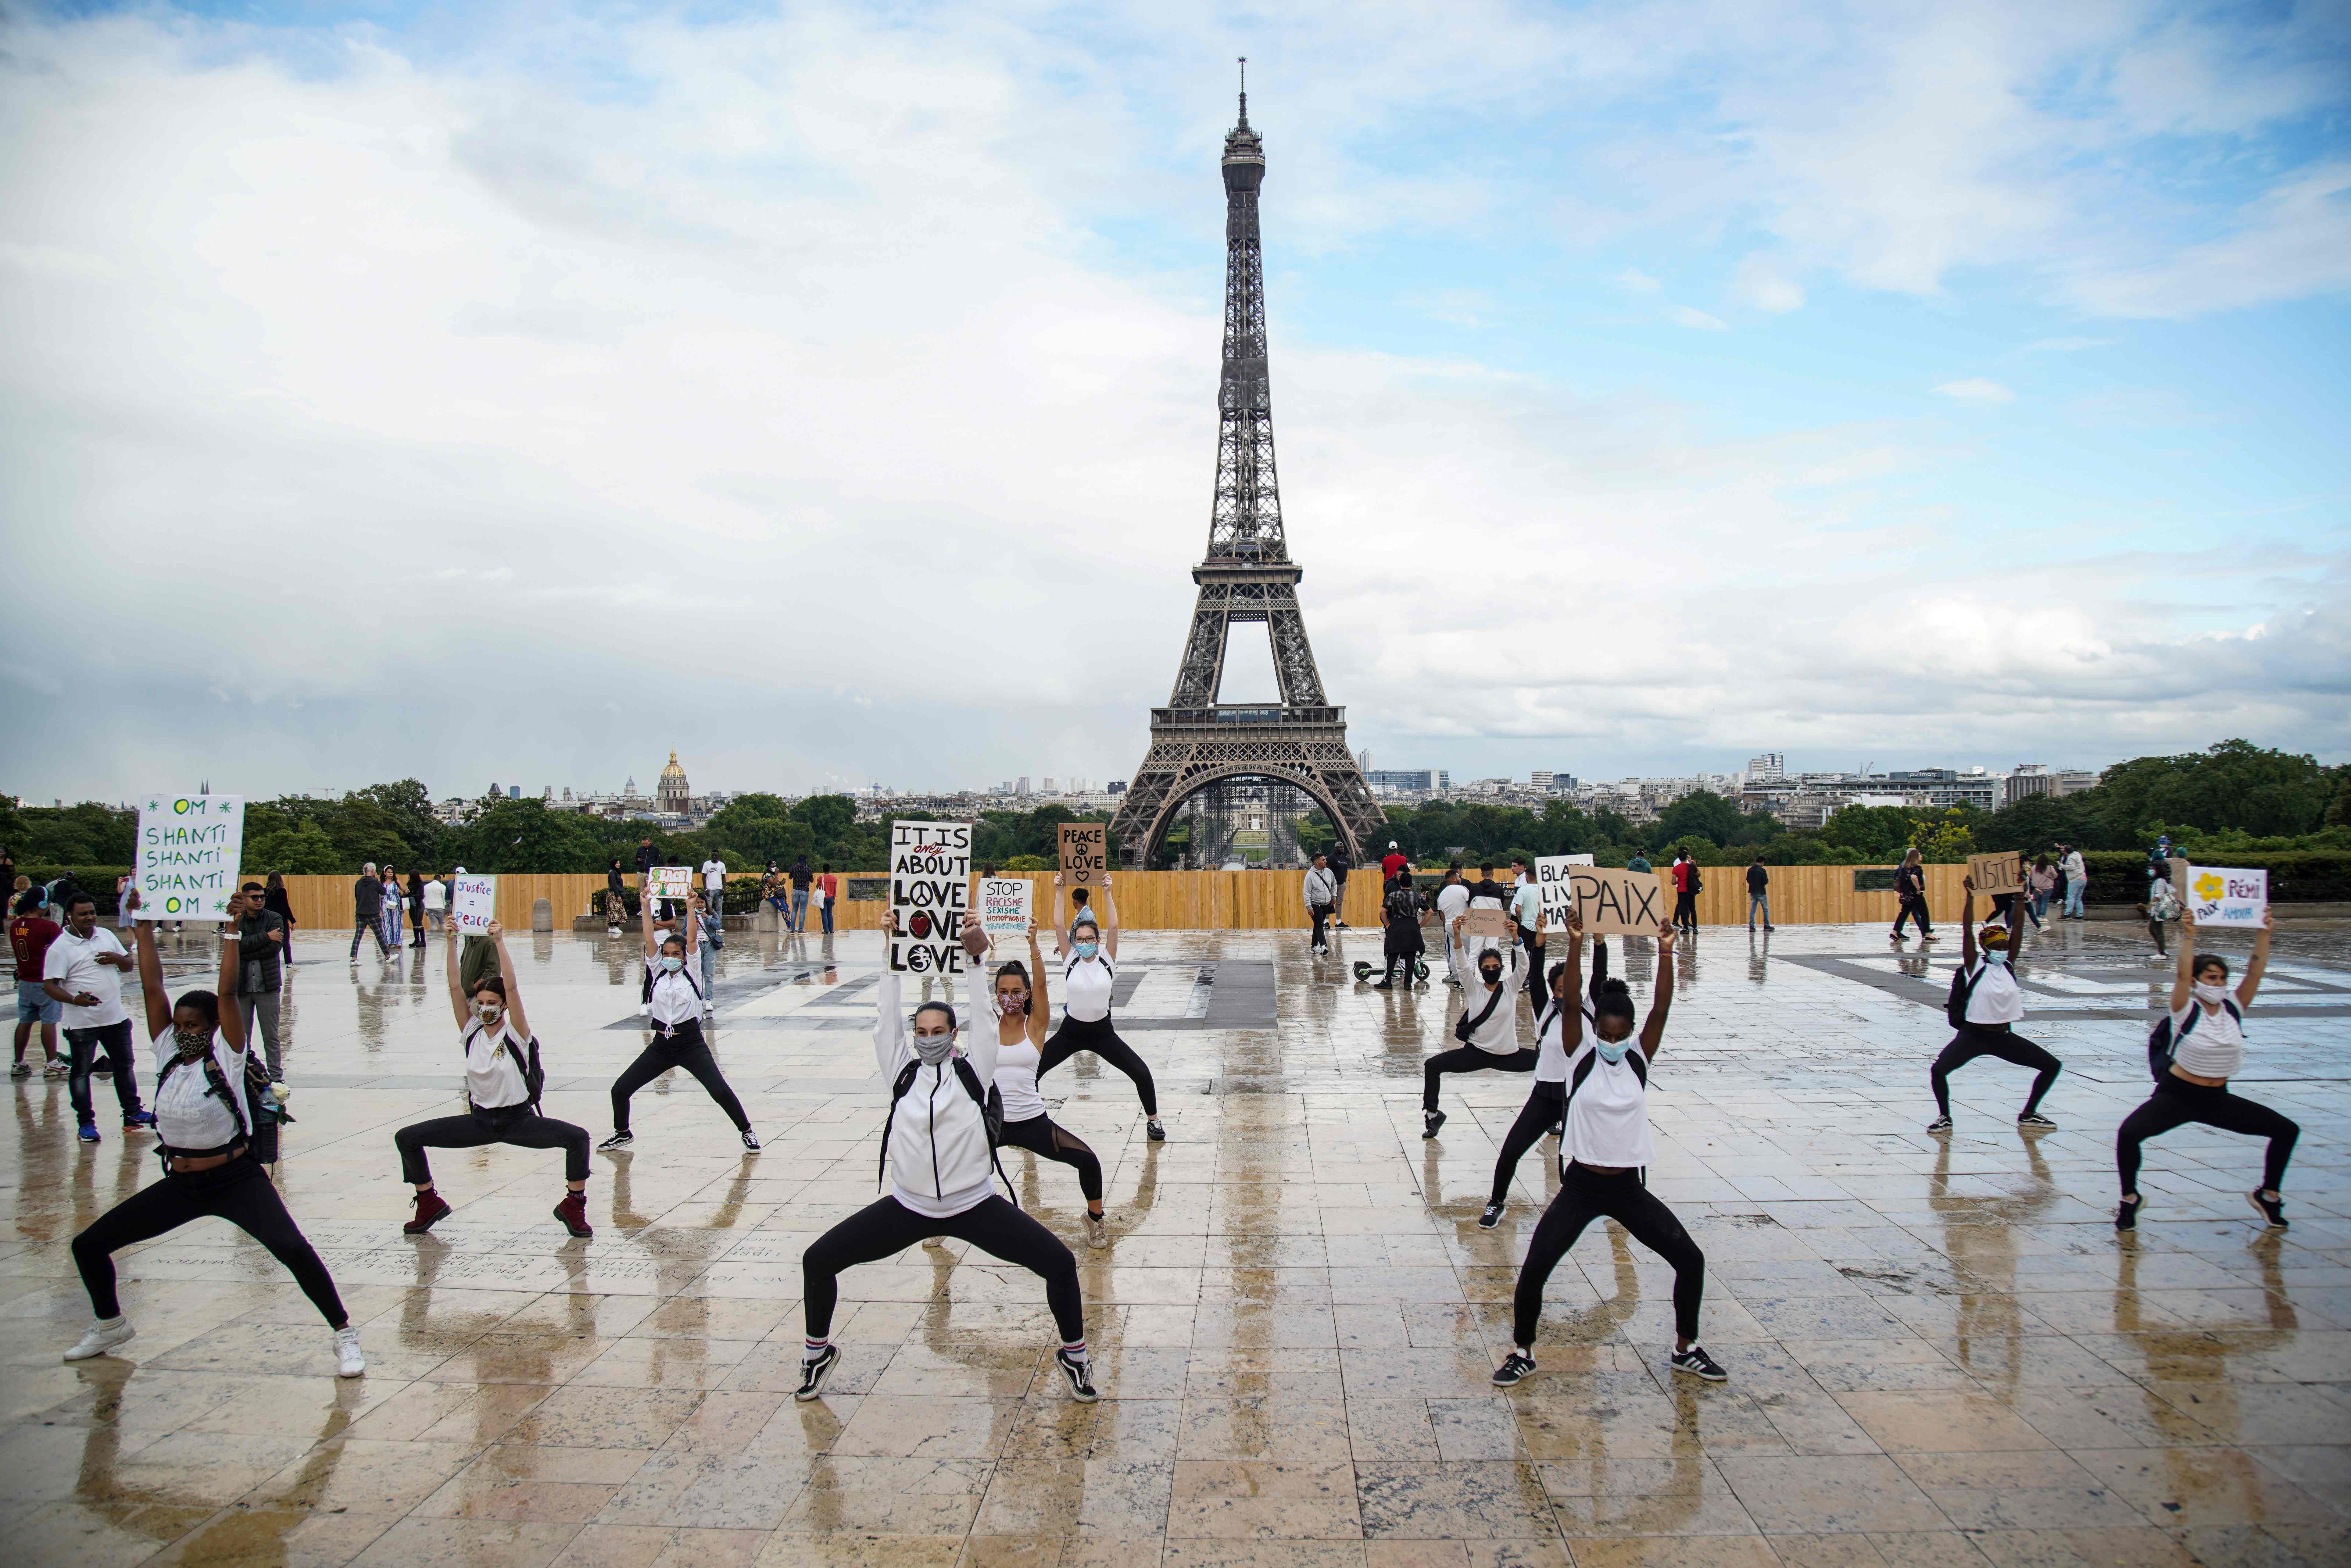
1661 995
231 961
1570 1017
890 1047
457 991
1040 1007
497 936
1967 924
2183 978
1109 918
1060 928
646 915
151 974
2257 963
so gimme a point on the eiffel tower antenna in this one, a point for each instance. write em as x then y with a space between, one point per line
1199 744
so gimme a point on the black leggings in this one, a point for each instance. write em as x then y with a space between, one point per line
881 1229
685 1048
237 1192
1041 1137
2176 1102
515 1125
1099 1037
1913 908
1469 1059
1585 1194
1544 1107
1974 1040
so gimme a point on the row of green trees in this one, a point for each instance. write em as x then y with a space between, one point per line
2232 796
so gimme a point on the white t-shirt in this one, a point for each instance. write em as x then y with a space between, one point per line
436 895
1086 987
1996 997
1550 1042
1608 1116
2215 1048
188 1114
73 962
1526 904
714 876
1452 899
1500 1032
675 999
494 1077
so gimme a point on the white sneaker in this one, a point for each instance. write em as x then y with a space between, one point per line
1097 1233
644 1009
103 1336
349 1362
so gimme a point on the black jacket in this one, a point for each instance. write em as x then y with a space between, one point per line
367 898
257 957
1756 879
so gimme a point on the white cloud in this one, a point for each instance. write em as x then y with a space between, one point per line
1635 281
1683 316
1762 283
1976 389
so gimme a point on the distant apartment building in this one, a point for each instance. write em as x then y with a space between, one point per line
2031 779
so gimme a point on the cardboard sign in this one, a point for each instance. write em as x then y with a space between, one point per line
1006 905
473 903
1998 875
1618 903
1086 854
2221 896
187 856
1577 860
673 882
1486 926
930 886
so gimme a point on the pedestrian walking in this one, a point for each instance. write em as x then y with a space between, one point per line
367 911
1452 902
1321 894
1910 897
2077 882
30 932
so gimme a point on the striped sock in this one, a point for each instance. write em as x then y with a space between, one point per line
815 1348
1075 1349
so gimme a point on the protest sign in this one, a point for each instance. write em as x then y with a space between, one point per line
1006 905
1577 860
1085 853
930 888
2223 895
473 903
1485 926
1555 887
673 882
1997 875
1614 902
188 853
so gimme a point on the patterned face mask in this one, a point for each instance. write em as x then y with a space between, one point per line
191 1043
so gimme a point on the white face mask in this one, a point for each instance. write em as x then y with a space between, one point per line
2211 996
1612 1052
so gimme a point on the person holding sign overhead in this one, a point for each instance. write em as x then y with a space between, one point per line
2196 1050
1090 957
1546 1107
1984 1009
1488 1030
205 1125
1019 1014
678 1006
503 1078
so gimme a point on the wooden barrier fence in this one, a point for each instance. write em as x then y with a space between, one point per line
1219 900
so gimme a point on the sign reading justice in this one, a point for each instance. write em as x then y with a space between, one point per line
930 890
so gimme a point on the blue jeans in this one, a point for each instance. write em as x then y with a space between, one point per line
799 909
1756 901
2074 891
826 913
709 967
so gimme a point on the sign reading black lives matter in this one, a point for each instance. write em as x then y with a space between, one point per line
930 889
1613 902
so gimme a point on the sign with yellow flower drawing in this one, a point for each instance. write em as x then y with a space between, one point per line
2221 896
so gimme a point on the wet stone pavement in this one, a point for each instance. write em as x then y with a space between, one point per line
1941 1353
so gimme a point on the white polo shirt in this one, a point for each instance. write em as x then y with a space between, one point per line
73 962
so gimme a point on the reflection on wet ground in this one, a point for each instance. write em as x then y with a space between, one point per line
1941 1353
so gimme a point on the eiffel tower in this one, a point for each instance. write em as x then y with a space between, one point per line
1198 744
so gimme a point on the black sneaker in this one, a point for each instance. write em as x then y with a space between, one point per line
1155 1130
1429 1122
1491 1217
2127 1214
1698 1363
619 1140
814 1373
2273 1212
1939 1124
1515 1366
2034 1119
1559 1128
750 1140
1081 1375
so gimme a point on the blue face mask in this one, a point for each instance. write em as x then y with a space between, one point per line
1612 1052
1994 956
1085 949
672 962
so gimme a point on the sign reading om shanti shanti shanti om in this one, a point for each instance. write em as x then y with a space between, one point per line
188 852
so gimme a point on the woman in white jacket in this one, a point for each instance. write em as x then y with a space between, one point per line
941 1173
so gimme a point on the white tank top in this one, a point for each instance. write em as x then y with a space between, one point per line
1085 988
1608 1117
2215 1048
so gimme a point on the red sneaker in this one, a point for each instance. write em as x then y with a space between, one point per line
573 1212
429 1207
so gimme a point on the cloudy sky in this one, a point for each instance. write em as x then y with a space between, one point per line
513 391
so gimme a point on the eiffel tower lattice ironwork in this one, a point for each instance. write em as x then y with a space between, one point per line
1196 741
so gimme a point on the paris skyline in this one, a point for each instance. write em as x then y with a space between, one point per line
1981 414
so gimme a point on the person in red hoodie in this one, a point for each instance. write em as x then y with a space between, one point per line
1392 862
1685 874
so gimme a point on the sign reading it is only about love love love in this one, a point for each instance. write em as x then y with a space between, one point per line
930 894
188 852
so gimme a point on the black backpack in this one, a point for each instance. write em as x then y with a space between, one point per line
1963 987
2163 1045
255 1110
991 1117
1698 882
534 1075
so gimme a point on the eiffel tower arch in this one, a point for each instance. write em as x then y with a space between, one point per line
1198 743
